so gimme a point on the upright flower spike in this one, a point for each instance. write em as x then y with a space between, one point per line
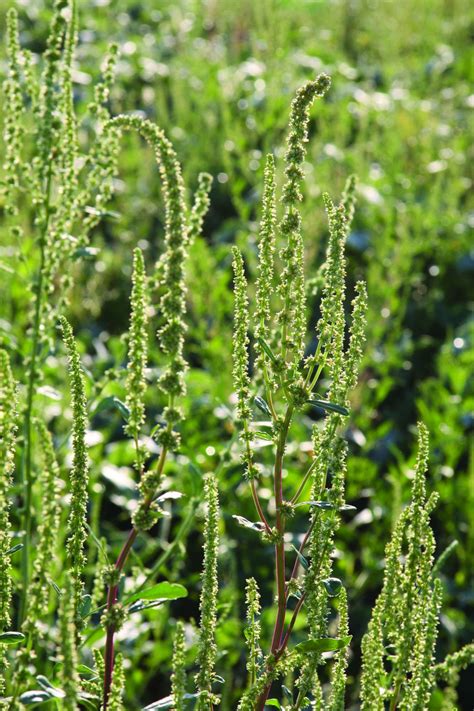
68 649
208 600
349 199
58 241
103 157
339 669
253 631
79 476
7 463
13 127
51 77
293 314
48 518
200 206
118 686
357 335
266 254
331 326
178 676
137 353
241 357
172 304
406 613
241 339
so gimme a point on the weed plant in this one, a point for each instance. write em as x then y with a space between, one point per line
66 601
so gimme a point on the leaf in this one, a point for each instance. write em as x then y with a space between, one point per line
160 591
326 505
102 213
347 507
88 701
329 406
262 405
6 268
47 686
55 587
38 696
85 253
268 351
333 586
14 549
11 638
83 669
323 644
273 702
257 526
167 702
49 392
301 558
86 603
264 435
168 495
111 402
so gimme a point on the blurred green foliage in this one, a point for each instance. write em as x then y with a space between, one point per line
217 76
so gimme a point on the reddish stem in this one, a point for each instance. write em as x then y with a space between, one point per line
112 595
279 551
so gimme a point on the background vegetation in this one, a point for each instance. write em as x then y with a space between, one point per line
218 77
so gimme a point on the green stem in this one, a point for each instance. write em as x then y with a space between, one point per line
181 533
304 482
112 592
279 549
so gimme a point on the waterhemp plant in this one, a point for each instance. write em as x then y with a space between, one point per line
286 378
64 194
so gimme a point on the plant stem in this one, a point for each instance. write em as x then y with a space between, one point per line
111 600
27 480
112 592
181 533
304 482
279 549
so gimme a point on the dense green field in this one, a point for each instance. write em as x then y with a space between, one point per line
218 77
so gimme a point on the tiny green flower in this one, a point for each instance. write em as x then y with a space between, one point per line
208 601
67 645
178 676
79 476
137 353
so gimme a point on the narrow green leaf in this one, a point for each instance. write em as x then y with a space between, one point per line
14 549
262 405
38 696
168 495
326 505
347 507
50 688
264 435
167 702
49 392
11 638
85 253
273 702
323 644
112 402
160 591
301 558
85 605
88 701
257 526
329 406
268 351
